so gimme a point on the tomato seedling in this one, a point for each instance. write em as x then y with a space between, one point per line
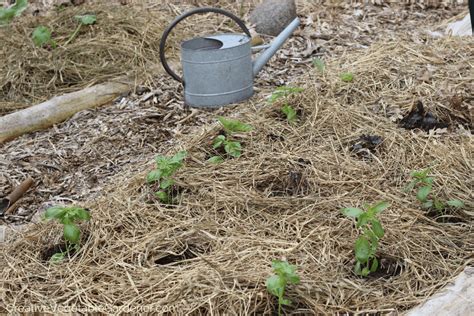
68 217
232 147
276 284
165 169
424 182
372 231
285 92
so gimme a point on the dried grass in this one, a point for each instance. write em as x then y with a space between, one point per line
234 218
124 41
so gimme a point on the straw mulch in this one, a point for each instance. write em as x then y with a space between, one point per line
211 253
124 41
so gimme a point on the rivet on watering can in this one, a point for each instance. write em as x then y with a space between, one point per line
218 69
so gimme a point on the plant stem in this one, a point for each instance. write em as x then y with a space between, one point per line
73 34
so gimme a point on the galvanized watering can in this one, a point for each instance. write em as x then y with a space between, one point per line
218 69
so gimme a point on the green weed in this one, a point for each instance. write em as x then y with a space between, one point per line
347 77
372 231
319 64
8 14
42 36
276 284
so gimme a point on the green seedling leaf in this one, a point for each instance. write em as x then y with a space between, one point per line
285 301
365 272
87 19
57 257
276 285
234 149
282 92
439 205
216 159
289 112
8 14
352 212
423 192
41 36
82 214
153 176
319 64
455 203
379 207
377 228
362 249
347 77
375 265
71 233
234 126
218 141
428 204
162 195
166 183
179 157
54 212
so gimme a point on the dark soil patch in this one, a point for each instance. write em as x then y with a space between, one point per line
418 117
447 216
50 251
366 145
294 183
182 257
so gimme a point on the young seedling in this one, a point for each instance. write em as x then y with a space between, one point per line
371 232
42 36
347 77
68 217
276 284
165 169
232 147
425 186
285 92
87 19
319 64
8 14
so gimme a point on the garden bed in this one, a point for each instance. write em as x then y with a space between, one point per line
212 251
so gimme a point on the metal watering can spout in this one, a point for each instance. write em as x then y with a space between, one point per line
218 69
264 57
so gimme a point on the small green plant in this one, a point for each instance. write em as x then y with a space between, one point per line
232 147
290 113
68 217
42 36
319 64
285 92
372 231
424 182
276 284
8 14
87 19
347 77
165 169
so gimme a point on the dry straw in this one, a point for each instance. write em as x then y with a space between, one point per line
280 200
122 42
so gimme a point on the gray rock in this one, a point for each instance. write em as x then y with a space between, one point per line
272 16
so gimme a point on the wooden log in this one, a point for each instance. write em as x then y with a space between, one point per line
59 108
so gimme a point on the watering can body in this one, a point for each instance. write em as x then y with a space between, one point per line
218 69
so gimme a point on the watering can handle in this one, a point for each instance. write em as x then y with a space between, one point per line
183 16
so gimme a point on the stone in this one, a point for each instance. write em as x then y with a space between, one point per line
455 300
272 16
